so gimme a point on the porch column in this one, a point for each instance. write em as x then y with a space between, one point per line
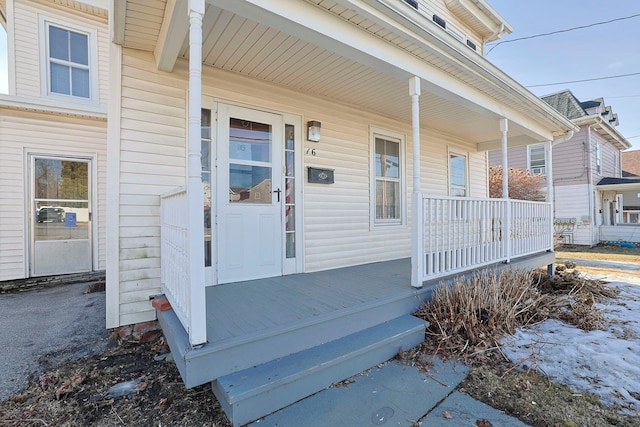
506 232
548 149
417 212
195 234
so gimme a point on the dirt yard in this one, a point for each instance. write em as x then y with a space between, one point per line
148 389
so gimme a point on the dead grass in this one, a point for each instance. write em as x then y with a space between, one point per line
600 253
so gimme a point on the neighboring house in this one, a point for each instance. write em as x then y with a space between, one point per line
585 204
53 138
631 197
251 141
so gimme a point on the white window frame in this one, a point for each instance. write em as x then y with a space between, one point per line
92 44
458 153
537 169
599 158
388 135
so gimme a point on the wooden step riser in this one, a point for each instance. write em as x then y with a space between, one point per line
205 366
280 383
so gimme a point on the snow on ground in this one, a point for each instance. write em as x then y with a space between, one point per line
606 363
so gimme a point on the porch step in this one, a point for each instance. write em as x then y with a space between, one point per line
258 391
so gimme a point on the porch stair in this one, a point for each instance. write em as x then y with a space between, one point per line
255 392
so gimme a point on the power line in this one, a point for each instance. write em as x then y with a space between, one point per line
586 80
561 31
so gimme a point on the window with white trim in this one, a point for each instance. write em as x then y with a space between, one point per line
537 159
69 55
388 178
458 182
599 159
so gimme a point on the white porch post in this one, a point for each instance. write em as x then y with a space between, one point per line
417 212
548 148
195 196
506 234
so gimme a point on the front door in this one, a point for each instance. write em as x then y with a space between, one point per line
250 194
60 212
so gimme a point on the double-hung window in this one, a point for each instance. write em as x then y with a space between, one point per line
537 159
69 56
599 159
388 179
458 182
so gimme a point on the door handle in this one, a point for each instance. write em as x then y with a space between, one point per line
278 191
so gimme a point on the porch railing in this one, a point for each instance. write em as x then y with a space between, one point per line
465 233
180 282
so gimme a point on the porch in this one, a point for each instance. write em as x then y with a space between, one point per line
287 337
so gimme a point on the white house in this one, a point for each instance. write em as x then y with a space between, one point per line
297 173
53 138
587 172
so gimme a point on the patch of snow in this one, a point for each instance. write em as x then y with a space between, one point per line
606 363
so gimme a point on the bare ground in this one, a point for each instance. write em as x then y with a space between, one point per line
80 392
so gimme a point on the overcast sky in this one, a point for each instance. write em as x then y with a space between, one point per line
598 51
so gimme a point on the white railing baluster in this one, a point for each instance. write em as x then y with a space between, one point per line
463 233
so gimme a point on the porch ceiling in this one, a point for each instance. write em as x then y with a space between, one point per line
240 44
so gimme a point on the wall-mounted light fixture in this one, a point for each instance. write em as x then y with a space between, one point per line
313 130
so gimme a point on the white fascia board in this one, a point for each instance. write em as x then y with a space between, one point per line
445 45
47 106
174 30
309 23
619 187
102 4
615 137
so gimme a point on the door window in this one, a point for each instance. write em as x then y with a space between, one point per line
250 171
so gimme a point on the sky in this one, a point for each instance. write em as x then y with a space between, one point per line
598 51
604 362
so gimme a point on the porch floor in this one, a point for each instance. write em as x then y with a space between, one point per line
253 322
255 306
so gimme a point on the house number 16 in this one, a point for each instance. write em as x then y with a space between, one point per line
311 151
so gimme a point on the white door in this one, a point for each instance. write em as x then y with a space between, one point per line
60 212
250 193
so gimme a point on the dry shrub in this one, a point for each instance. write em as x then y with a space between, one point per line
475 312
470 316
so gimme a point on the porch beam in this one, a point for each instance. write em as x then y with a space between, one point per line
195 195
119 21
174 30
417 212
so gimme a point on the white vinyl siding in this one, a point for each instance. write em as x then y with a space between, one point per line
336 217
30 74
54 135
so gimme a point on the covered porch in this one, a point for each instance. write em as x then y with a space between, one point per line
359 67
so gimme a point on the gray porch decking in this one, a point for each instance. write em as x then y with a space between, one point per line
253 322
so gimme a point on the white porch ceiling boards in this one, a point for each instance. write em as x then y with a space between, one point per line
245 46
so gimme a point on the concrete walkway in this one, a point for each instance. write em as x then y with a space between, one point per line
43 327
393 395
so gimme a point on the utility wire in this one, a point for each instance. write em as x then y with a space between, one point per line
561 31
586 80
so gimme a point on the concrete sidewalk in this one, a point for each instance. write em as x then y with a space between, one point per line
43 327
393 395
